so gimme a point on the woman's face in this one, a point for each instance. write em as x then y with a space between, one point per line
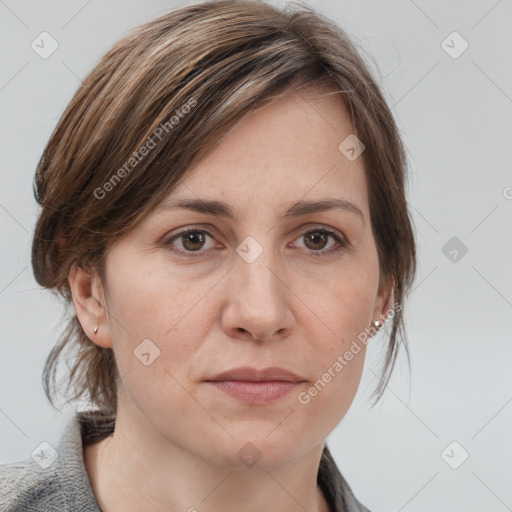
262 288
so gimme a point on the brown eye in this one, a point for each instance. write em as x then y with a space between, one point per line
316 240
193 240
190 242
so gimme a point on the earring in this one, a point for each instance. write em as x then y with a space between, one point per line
377 324
95 329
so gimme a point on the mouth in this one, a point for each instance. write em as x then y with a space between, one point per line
261 392
249 374
254 386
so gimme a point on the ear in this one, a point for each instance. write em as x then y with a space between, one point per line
384 301
90 305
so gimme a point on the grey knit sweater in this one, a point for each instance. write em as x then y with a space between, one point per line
56 480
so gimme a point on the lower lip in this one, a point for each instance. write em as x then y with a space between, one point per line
255 392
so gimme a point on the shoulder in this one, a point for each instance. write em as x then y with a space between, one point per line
52 479
27 487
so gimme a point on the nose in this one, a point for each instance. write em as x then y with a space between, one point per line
257 304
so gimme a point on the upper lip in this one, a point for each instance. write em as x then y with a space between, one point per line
246 373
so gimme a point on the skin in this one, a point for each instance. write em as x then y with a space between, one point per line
176 439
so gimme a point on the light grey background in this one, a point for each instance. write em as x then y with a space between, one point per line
455 118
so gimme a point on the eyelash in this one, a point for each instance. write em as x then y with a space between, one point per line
340 246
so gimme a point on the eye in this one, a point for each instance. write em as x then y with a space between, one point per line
191 241
316 241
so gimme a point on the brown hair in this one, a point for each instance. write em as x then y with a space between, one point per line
189 76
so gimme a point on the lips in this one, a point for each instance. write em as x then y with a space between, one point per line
254 386
249 374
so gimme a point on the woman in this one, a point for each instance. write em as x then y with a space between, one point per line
223 204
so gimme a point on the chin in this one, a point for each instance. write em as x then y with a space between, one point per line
258 452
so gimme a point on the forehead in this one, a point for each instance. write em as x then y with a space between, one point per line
286 150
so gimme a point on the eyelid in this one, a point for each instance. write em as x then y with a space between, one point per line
183 231
342 243
305 228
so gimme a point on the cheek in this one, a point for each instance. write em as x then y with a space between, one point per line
345 310
337 359
326 400
344 305
155 333
153 317
149 298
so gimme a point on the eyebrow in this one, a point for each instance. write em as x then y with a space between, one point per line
297 209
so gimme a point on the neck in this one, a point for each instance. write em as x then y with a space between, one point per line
154 473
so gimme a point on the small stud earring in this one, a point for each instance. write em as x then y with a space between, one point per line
377 324
95 329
